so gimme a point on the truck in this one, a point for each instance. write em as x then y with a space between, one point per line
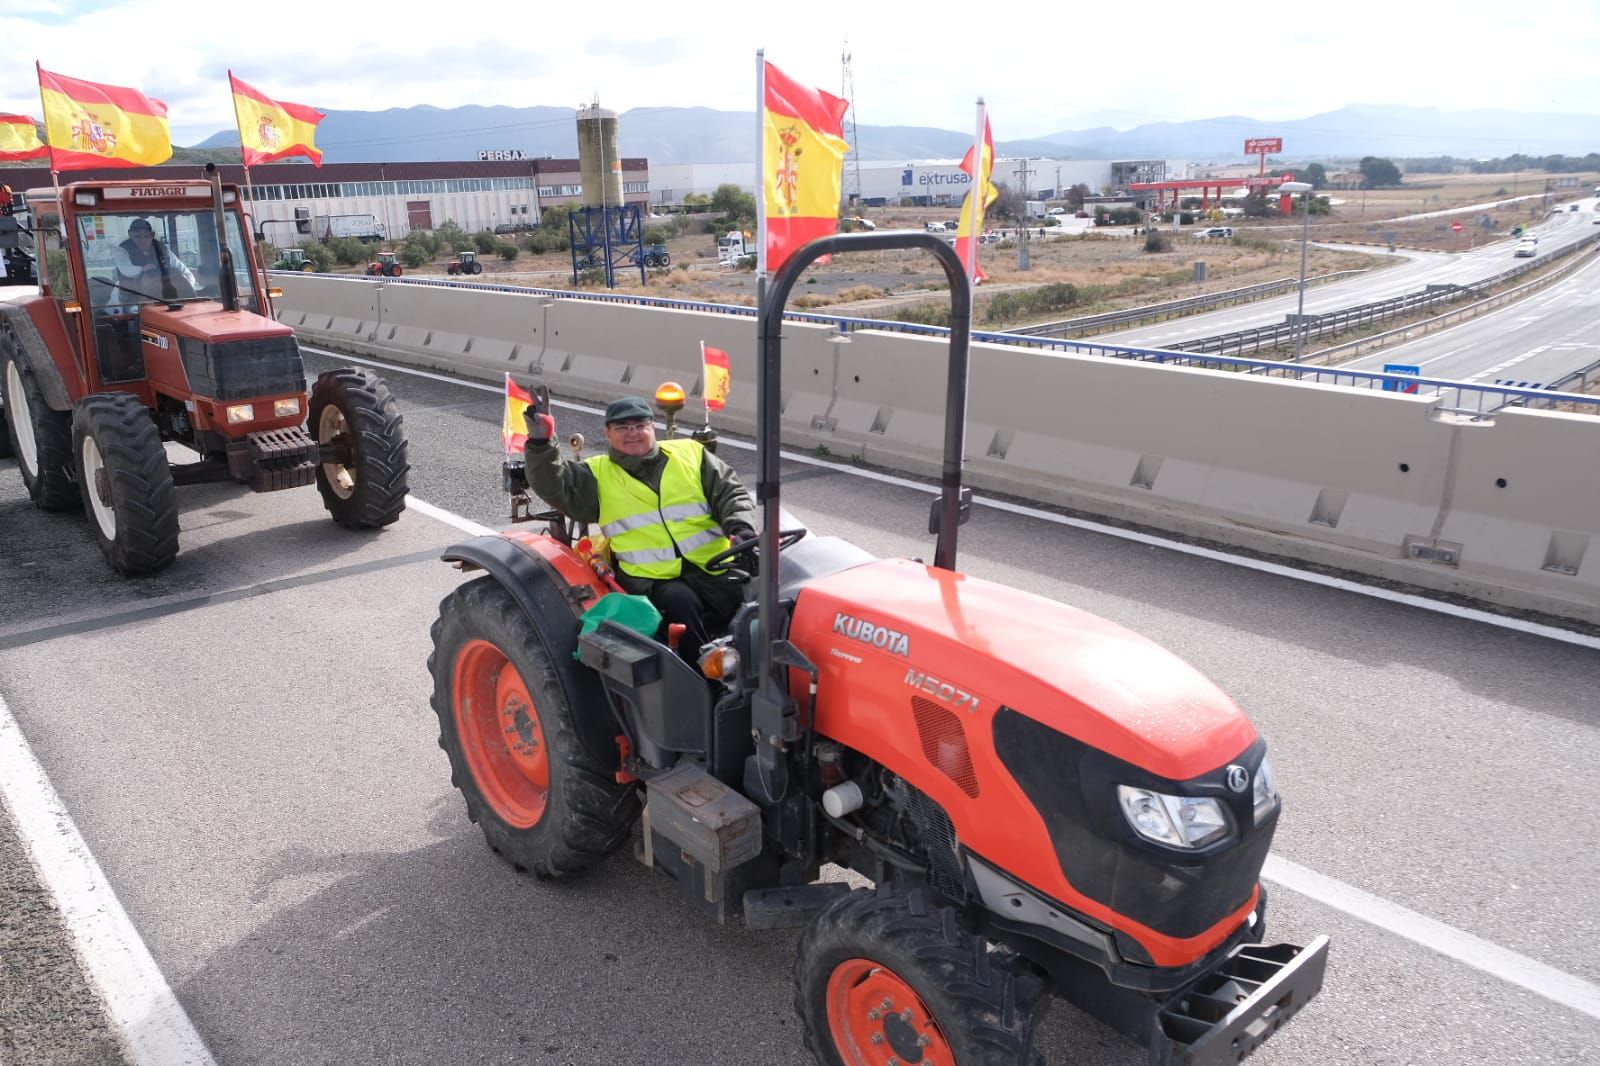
364 228
732 247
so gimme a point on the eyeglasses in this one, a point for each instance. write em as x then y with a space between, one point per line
143 233
633 425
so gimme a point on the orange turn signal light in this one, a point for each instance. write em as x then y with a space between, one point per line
719 662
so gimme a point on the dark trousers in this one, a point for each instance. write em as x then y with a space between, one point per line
679 602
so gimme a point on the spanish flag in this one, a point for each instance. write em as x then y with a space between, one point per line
969 226
719 377
273 129
92 125
19 139
513 427
802 164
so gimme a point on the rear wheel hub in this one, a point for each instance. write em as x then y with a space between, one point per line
877 1019
501 736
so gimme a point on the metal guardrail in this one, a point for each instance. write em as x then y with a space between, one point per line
1331 323
1174 308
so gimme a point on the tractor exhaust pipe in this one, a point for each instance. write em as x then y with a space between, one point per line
227 280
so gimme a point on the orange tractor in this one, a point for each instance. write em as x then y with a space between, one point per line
387 265
169 336
1046 802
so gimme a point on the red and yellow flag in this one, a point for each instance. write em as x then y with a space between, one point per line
719 376
968 228
92 125
513 427
273 129
19 139
802 164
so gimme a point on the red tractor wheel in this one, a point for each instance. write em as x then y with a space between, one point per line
544 803
126 481
395 271
886 975
40 437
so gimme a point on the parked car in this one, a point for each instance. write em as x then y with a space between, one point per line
1214 232
1057 211
935 227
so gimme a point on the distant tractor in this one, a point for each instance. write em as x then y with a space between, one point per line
295 259
655 255
108 365
464 263
387 265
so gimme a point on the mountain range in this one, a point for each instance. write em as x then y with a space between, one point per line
673 135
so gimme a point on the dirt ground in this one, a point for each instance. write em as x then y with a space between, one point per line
1109 266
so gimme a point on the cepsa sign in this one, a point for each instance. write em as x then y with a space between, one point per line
1263 145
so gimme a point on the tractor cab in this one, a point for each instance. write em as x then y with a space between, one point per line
465 262
387 265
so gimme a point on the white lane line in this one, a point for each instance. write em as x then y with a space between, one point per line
1558 986
144 1013
1472 614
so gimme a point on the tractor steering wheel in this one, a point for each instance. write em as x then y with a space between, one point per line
749 548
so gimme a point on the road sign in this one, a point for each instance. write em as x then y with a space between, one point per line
1401 368
1456 226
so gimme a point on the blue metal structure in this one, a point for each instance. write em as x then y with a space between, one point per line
606 237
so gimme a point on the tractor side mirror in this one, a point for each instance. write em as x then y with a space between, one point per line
963 511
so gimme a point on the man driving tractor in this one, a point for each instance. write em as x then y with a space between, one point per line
667 508
147 266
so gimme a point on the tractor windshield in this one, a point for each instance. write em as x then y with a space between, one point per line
132 258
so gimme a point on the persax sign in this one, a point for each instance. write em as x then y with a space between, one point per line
501 154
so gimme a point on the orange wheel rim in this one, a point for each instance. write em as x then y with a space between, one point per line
876 1017
501 737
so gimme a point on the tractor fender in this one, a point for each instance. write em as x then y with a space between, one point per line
522 564
20 336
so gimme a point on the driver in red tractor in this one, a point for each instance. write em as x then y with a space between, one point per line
666 508
147 265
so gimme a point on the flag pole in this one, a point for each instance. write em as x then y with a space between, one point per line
761 179
705 386
55 175
977 192
249 185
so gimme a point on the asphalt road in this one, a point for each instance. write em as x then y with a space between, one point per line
245 744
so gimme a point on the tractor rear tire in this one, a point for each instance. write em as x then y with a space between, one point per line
477 268
950 998
354 407
545 803
308 268
40 438
395 271
126 482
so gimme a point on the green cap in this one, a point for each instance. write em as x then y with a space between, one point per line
626 409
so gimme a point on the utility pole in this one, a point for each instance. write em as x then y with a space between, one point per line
852 184
1022 173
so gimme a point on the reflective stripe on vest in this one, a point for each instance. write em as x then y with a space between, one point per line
650 535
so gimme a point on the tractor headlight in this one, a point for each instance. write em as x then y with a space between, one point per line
1265 794
285 408
1177 821
241 412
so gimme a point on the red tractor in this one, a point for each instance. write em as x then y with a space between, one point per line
169 336
387 266
1044 800
465 262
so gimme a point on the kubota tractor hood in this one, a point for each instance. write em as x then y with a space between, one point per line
977 646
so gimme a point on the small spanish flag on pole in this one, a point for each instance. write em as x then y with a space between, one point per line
92 125
980 194
718 378
513 427
19 139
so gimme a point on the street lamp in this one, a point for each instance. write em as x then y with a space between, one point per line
1305 231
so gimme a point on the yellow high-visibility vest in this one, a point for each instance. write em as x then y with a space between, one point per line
651 535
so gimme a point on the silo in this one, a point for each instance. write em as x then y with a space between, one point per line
599 160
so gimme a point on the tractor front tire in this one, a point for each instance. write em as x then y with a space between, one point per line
544 802
353 409
40 438
126 482
889 973
452 270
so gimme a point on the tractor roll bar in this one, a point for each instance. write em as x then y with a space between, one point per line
773 710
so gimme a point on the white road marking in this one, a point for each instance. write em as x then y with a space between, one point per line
1566 636
144 1013
1558 986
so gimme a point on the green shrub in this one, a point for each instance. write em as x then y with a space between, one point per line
1025 303
318 253
347 251
924 314
507 250
1156 241
485 242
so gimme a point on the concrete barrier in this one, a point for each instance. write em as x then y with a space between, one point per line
1375 483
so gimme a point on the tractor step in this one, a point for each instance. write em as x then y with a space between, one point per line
274 459
789 906
1232 1010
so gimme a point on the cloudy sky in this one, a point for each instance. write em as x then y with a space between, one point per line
1042 67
